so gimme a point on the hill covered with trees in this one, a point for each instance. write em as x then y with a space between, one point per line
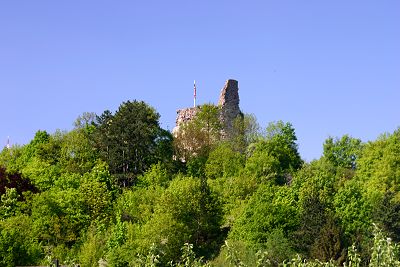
120 189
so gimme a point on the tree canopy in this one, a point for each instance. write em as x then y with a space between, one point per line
128 140
118 189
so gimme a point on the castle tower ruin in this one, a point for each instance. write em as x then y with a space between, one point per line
228 104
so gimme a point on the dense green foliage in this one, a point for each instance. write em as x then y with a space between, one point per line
120 189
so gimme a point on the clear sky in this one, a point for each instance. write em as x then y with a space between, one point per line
328 67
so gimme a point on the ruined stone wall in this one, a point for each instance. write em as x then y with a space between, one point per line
184 115
228 104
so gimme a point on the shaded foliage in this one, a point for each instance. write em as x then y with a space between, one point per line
16 181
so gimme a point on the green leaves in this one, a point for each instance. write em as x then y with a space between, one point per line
224 162
343 152
18 245
186 212
352 208
59 195
127 140
8 203
59 216
274 157
270 208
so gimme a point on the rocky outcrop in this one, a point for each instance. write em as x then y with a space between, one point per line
229 104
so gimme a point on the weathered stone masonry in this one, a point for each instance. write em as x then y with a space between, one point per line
228 103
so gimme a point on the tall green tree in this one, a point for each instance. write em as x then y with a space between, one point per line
127 140
283 140
276 156
343 152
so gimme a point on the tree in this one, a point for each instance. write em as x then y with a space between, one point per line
42 174
92 249
352 209
275 156
43 165
282 138
208 121
155 176
328 243
245 131
197 137
76 151
18 157
316 186
127 140
137 205
386 213
14 180
8 203
187 212
96 198
379 176
223 162
312 219
59 216
18 245
164 151
343 152
270 208
379 166
85 120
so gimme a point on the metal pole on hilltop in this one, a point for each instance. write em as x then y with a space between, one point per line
194 94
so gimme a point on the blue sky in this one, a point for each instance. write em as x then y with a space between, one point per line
328 67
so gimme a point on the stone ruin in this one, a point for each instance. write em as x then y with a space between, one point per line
228 104
185 115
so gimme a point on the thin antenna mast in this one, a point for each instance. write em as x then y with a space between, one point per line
194 94
8 143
